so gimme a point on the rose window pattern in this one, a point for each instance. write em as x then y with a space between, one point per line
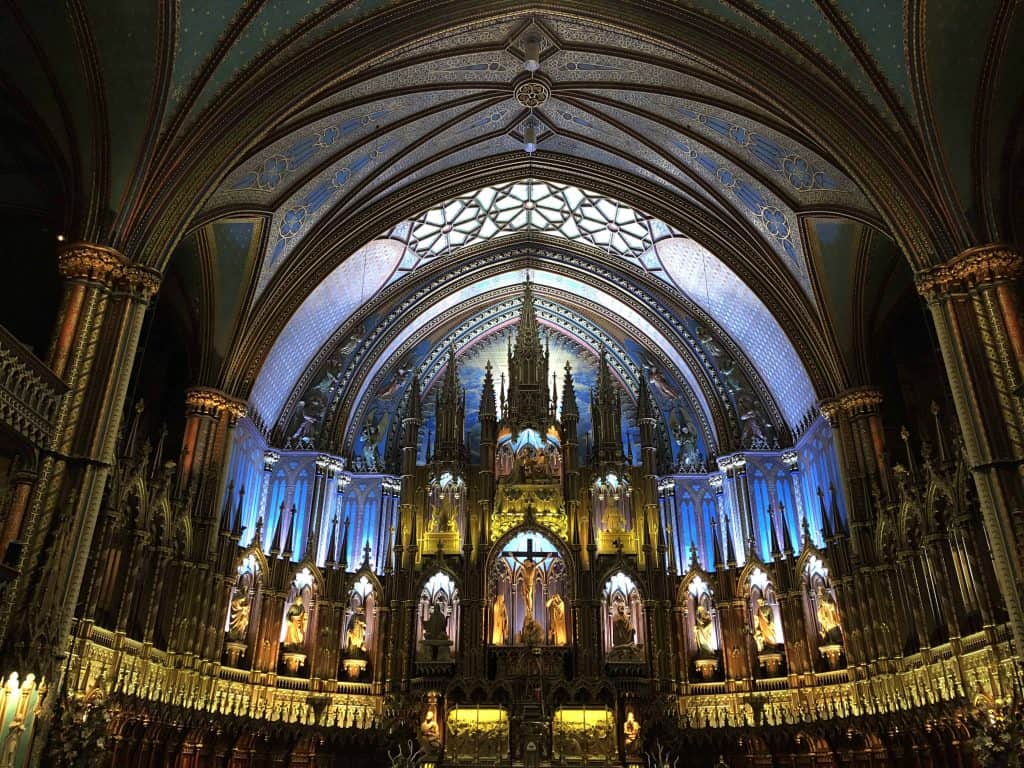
533 206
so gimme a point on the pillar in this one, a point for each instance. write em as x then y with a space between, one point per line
975 303
93 350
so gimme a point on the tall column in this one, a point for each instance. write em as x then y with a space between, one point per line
975 302
210 420
93 351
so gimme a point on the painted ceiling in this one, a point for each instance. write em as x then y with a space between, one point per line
740 184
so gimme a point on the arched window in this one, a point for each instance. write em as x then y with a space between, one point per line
623 627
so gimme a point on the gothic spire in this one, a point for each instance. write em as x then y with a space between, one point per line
488 407
569 406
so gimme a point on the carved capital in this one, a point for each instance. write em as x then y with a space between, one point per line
139 281
852 402
99 264
207 401
89 263
974 268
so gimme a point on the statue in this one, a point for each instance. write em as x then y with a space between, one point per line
828 618
295 632
631 734
499 627
623 632
764 630
435 645
612 518
355 638
238 625
435 627
528 576
703 627
430 733
556 619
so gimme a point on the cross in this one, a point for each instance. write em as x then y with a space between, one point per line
529 552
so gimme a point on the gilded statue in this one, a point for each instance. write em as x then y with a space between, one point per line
499 626
631 734
828 618
556 619
295 630
764 629
612 518
703 628
238 625
623 632
528 577
430 732
355 638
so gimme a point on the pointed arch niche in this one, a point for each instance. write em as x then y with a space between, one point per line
623 628
527 592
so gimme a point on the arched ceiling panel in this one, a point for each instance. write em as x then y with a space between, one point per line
326 308
712 285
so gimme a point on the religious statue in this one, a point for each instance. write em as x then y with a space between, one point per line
828 618
435 645
499 626
295 631
355 638
612 519
435 627
430 732
442 515
623 632
631 734
238 625
556 619
703 629
528 577
764 630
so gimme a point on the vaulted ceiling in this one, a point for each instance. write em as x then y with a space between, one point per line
738 190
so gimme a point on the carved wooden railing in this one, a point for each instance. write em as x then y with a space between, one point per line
29 392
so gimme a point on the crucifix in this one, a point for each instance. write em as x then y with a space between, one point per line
529 562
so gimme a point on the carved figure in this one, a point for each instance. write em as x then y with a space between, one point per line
239 622
623 632
430 732
556 619
355 638
527 579
764 630
435 627
612 519
702 630
828 618
295 632
499 626
631 734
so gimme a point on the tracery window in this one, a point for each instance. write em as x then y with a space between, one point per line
558 210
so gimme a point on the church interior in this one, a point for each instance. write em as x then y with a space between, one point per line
487 383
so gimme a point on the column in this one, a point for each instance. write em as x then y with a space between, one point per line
210 419
975 303
93 351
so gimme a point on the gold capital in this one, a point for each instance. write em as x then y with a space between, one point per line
99 264
88 262
975 267
209 401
